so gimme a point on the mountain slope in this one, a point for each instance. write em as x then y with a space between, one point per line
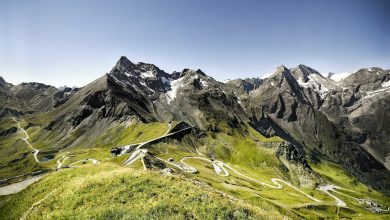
345 121
279 142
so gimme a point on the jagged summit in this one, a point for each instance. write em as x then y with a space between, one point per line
145 75
2 81
307 70
281 68
187 71
124 64
304 73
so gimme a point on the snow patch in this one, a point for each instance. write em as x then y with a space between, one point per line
147 74
300 82
371 94
175 85
146 86
314 83
143 83
68 93
238 99
204 83
339 76
386 84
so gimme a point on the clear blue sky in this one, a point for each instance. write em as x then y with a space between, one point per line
74 42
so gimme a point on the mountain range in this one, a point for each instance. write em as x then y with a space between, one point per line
344 122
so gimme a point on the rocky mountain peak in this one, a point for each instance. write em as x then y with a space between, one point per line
303 72
281 68
245 85
186 72
199 71
126 70
124 64
307 70
2 81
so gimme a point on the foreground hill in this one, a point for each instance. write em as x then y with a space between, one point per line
113 192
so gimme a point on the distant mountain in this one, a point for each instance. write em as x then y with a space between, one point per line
346 121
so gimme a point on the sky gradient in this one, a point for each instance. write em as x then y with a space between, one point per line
74 42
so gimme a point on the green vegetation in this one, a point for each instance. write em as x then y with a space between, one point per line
109 191
115 192
261 138
257 159
336 175
16 157
14 151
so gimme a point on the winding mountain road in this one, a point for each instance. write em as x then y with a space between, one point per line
219 168
327 188
63 156
62 159
18 186
222 169
35 151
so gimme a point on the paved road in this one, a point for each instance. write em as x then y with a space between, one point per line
19 186
220 166
62 159
327 189
16 187
137 154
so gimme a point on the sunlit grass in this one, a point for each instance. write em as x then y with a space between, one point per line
108 191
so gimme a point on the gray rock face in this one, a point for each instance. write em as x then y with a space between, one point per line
25 98
188 96
346 121
297 163
150 162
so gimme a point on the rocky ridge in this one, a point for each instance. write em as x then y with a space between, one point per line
345 121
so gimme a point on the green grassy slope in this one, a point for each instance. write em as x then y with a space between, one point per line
109 191
16 157
256 158
112 191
